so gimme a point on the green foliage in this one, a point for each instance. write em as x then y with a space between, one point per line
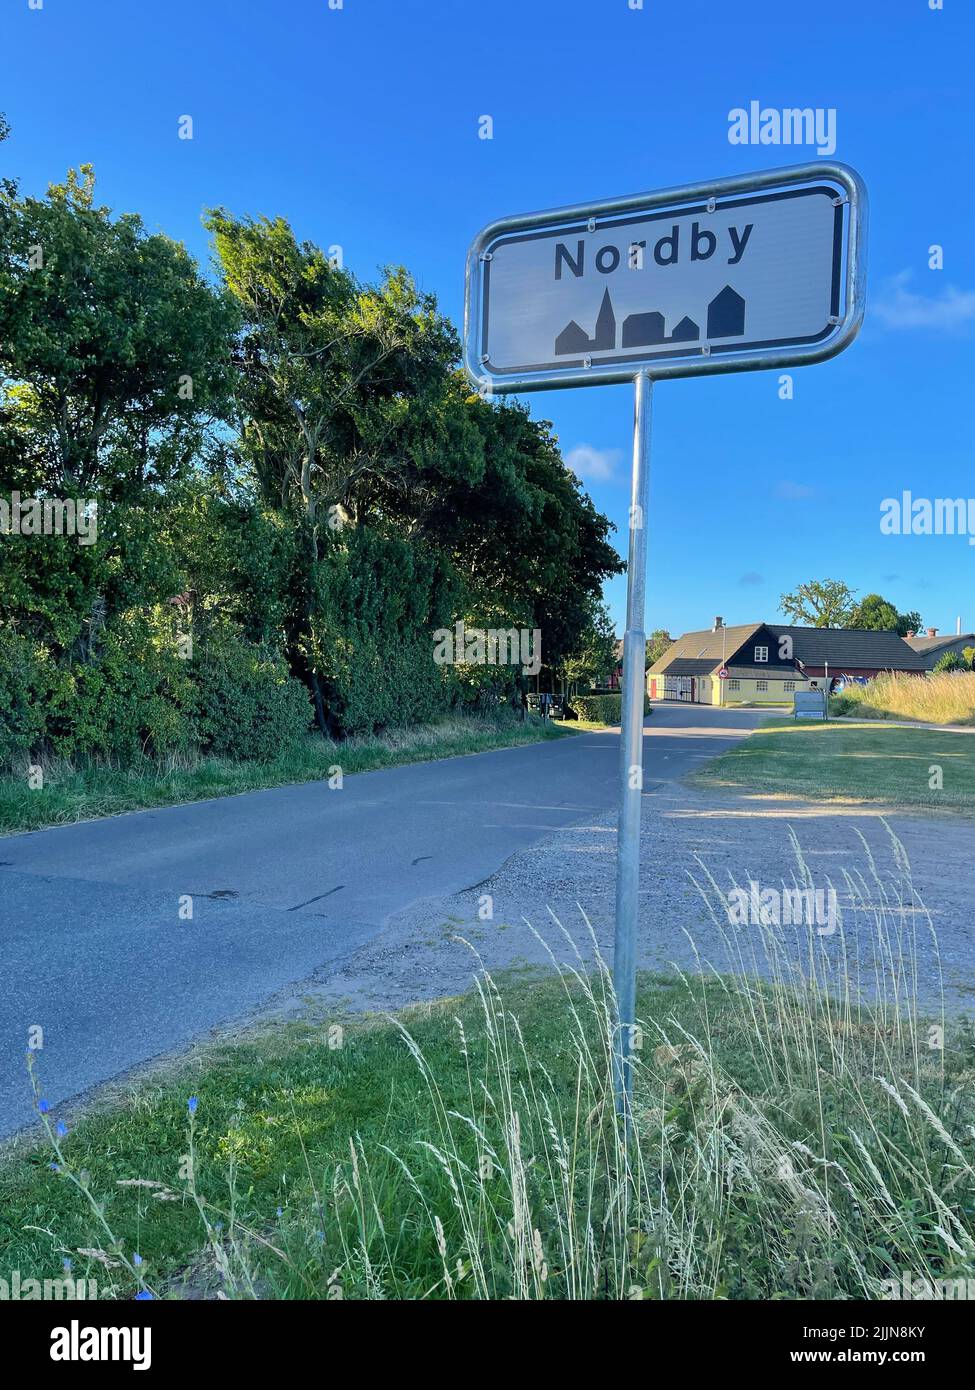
292 479
249 706
830 603
657 643
950 661
376 605
819 603
602 709
24 681
879 615
593 658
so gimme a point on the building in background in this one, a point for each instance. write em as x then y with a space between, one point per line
932 648
765 663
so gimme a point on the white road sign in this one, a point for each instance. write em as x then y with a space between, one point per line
761 270
750 275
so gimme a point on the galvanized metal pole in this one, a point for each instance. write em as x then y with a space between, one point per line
631 755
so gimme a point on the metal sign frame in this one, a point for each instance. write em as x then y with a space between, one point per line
851 193
690 198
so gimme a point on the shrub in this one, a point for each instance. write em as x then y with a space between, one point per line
602 709
25 680
248 706
950 661
134 700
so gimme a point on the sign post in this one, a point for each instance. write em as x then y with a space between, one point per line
746 273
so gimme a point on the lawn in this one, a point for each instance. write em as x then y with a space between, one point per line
787 1145
71 793
920 768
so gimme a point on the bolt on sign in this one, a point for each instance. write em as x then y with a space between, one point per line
761 270
744 273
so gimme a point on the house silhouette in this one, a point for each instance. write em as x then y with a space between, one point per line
726 314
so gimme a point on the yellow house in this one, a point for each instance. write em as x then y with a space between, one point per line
766 663
740 665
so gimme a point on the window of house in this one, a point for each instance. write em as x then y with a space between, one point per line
761 653
734 685
790 685
761 685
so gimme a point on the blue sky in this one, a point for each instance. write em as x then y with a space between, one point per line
360 125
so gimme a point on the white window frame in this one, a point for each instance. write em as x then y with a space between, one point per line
734 683
762 686
761 655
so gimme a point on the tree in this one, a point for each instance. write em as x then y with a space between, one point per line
657 643
595 655
819 603
879 615
113 349
874 613
8 187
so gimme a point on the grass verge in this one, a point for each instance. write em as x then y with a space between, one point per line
71 793
945 698
789 1143
857 762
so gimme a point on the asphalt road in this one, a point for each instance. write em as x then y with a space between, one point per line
98 949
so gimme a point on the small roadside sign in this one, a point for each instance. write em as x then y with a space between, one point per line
723 673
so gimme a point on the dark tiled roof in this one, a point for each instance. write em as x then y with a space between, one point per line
850 646
707 648
682 666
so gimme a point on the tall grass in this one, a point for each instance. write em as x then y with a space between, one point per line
801 1129
945 698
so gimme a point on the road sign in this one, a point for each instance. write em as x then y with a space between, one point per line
757 271
809 704
761 270
723 673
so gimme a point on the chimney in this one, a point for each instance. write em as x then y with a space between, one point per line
718 624
932 632
911 632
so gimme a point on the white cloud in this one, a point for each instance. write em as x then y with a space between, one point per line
793 492
597 465
900 307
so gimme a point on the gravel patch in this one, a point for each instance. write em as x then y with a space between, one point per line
899 924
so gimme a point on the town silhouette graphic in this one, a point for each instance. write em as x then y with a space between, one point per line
726 319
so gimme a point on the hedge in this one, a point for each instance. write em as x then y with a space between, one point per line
602 709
